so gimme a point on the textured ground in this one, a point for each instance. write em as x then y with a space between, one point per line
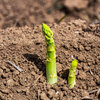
22 43
29 12
25 47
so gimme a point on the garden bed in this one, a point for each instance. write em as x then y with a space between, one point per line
26 48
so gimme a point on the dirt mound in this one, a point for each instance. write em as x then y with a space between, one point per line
25 47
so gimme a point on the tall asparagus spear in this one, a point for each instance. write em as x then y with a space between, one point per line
51 72
72 74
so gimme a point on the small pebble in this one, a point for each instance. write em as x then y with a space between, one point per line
87 48
81 48
65 88
57 92
77 32
10 82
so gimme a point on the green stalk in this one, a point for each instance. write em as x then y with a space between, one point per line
72 74
51 72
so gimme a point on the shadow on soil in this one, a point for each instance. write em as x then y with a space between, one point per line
42 67
64 74
37 61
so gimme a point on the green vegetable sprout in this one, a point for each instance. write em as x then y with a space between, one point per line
51 72
72 74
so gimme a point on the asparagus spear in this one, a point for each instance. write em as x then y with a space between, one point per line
72 74
51 72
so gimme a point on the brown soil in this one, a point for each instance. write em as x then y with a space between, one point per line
26 48
29 12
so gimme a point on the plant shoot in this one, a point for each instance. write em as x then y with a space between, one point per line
72 74
51 72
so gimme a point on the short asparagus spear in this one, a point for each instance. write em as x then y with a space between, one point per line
72 74
51 72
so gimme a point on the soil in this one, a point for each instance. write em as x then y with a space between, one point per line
26 48
29 12
23 44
